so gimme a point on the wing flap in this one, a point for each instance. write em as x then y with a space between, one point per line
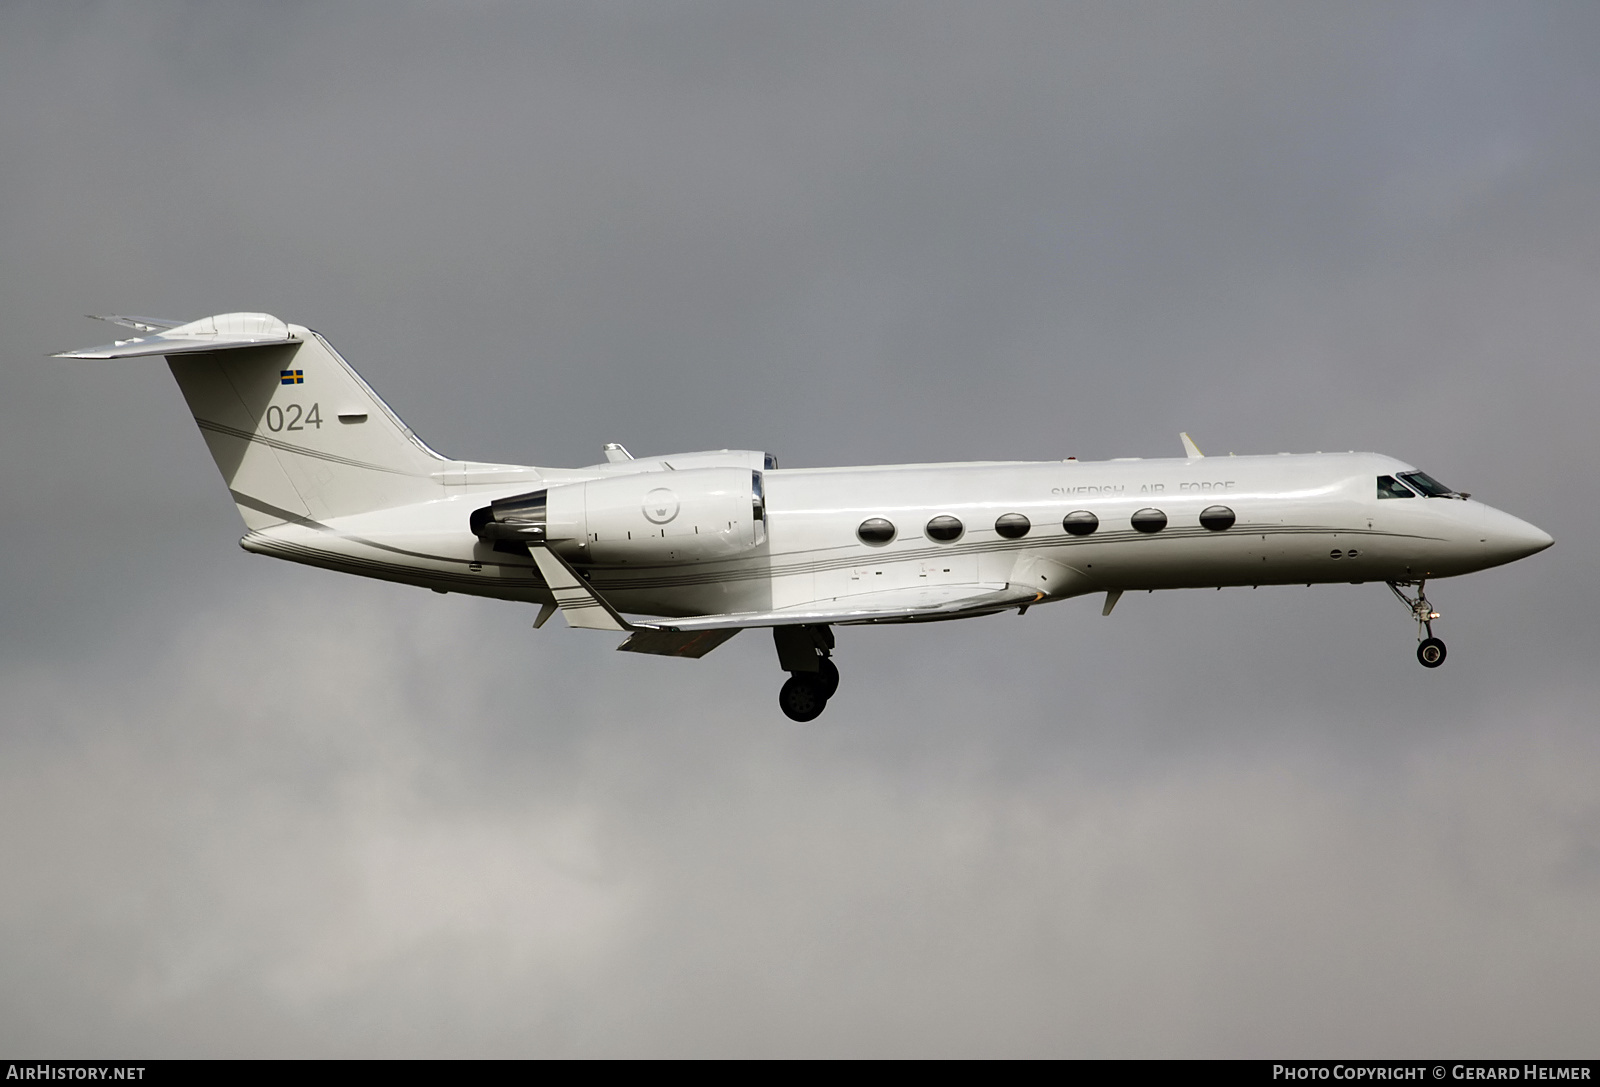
676 643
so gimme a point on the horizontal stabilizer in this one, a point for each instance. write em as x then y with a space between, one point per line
676 643
221 333
143 324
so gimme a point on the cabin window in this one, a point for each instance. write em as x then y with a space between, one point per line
1217 518
945 528
1429 486
1149 520
1013 526
875 530
1080 523
1389 487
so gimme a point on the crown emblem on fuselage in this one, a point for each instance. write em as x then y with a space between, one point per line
660 506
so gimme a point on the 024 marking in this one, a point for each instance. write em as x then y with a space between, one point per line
293 417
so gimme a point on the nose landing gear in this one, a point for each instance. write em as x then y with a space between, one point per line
804 652
1430 650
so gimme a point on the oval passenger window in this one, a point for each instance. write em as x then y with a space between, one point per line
1217 518
945 528
1149 520
1080 522
1013 526
875 530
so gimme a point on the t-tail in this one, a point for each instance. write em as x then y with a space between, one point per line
294 430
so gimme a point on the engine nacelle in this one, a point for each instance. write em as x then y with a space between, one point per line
646 517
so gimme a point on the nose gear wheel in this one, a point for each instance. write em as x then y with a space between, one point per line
1431 653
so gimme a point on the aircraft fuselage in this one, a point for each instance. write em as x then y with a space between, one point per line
1298 519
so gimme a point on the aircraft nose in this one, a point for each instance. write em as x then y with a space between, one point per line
1508 538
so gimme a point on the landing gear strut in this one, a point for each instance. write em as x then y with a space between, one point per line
804 652
1430 650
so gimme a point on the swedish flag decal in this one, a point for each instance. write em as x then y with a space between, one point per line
291 377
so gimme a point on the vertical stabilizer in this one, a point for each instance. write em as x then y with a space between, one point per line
294 430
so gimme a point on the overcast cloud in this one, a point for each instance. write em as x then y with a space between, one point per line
249 808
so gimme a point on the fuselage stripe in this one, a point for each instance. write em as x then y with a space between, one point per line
274 443
276 545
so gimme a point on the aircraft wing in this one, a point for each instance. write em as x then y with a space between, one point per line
909 605
581 606
698 635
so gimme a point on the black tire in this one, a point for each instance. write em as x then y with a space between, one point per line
801 697
1431 653
828 672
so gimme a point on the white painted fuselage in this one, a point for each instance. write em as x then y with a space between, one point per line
1299 519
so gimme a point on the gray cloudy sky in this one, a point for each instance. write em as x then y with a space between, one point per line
248 808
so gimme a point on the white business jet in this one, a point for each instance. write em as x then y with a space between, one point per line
682 552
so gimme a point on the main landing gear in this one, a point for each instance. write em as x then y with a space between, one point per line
804 652
1430 650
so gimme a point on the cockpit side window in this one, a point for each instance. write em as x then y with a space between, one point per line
1429 486
1389 487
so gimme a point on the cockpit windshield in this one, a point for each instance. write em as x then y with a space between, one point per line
1389 487
1429 486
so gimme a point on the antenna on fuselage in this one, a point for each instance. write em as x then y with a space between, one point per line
1190 450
